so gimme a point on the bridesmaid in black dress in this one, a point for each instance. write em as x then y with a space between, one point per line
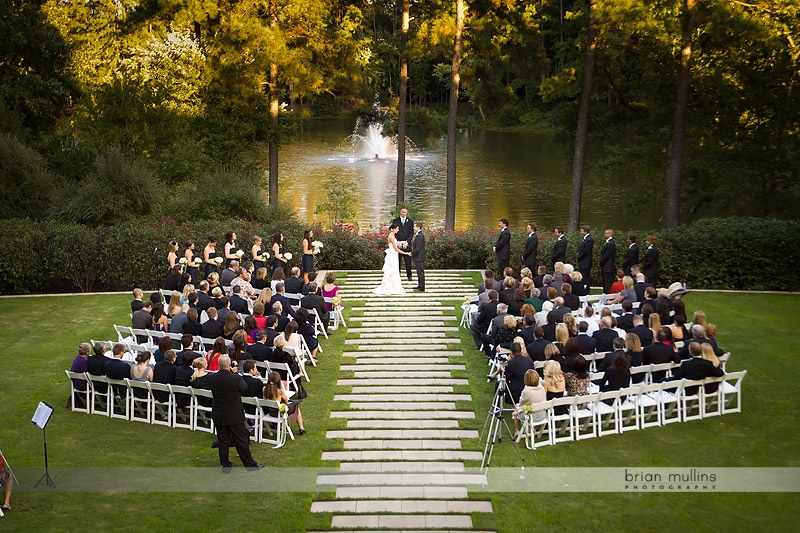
191 266
258 259
230 248
209 254
278 261
308 253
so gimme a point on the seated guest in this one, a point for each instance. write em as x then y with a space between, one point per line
516 303
290 336
533 393
251 327
571 352
696 368
506 294
187 343
536 348
213 283
633 349
212 328
271 331
527 332
116 368
279 295
204 300
164 372
330 289
627 292
273 390
223 308
486 312
142 319
278 276
711 334
238 349
192 325
278 355
277 312
538 279
164 344
570 300
173 278
644 333
97 362
577 379
218 350
550 327
229 273
231 325
640 287
559 309
604 337
294 283
258 315
659 352
698 336
242 280
261 281
535 300
178 320
306 330
80 364
516 367
312 278
238 303
625 319
142 371
579 286
251 378
553 353
488 281
313 300
617 376
618 351
260 350
591 320
137 303
586 343
617 286
554 384
183 375
199 379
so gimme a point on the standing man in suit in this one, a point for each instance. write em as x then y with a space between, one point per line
631 256
585 254
418 255
502 247
530 255
227 411
608 256
651 260
404 234
559 248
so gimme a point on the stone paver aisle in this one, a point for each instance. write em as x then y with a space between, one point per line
402 459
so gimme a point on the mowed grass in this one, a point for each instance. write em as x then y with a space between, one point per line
41 335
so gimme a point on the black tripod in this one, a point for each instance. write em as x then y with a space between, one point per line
494 420
46 479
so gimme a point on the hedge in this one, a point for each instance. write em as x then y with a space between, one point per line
52 257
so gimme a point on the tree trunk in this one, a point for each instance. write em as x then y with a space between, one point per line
582 130
672 207
450 202
401 107
273 115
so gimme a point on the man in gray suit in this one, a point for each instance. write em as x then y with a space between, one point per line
418 256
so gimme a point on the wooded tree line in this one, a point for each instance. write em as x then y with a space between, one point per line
107 100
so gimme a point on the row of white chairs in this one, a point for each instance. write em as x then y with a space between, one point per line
133 400
632 408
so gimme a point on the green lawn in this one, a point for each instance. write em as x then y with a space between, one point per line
40 339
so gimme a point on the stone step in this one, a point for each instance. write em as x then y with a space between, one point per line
402 415
408 347
443 478
405 493
372 334
402 424
401 506
401 444
403 455
409 374
405 360
382 319
438 521
399 355
394 406
402 312
401 389
399 367
403 304
401 330
411 397
397 381
401 434
394 342
420 467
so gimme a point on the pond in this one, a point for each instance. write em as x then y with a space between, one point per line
515 175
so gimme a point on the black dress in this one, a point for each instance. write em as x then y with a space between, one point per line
232 252
277 263
256 263
308 262
192 271
210 268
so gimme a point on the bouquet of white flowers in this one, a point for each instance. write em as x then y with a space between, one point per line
239 253
197 260
264 255
288 256
218 260
316 244
183 261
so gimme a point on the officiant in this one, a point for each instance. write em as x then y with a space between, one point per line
403 236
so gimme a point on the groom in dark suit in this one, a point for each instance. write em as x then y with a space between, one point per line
529 255
503 246
418 255
405 233
585 251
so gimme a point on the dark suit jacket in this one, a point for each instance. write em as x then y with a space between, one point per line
644 333
260 351
418 248
586 343
650 264
529 255
625 321
204 301
549 332
585 253
486 313
227 388
141 319
608 360
536 349
97 365
212 329
559 251
527 334
696 368
631 258
285 302
658 353
607 257
255 386
502 246
639 288
604 339
136 305
560 312
117 369
572 301
315 301
239 305
515 375
293 285
163 372
684 352
406 230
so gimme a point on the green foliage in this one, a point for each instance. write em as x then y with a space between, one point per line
345 249
28 184
340 200
118 187
223 193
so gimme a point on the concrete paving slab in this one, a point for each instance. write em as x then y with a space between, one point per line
410 397
407 406
402 424
400 356
398 381
363 433
406 467
410 444
401 366
408 521
401 389
402 415
404 493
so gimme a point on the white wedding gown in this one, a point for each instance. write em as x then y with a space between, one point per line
391 283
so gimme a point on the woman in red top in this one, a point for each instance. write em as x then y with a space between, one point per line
214 354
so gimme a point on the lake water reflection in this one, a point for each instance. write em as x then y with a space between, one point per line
520 176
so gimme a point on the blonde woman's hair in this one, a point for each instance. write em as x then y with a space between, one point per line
531 378
562 333
654 321
709 355
552 372
627 282
509 321
521 342
633 343
550 350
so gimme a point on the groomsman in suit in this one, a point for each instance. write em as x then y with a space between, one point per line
585 254
631 256
418 255
650 264
608 256
559 248
529 256
502 247
405 233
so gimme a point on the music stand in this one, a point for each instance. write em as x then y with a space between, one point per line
40 419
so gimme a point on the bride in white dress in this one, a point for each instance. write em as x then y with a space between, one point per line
391 283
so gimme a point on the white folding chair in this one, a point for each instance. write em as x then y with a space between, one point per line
560 420
648 405
627 409
182 417
711 404
140 400
124 333
273 424
307 350
202 399
668 396
252 417
80 402
165 296
319 327
163 410
642 372
291 380
731 393
657 369
691 400
605 415
102 397
120 399
299 357
723 360
583 417
534 431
